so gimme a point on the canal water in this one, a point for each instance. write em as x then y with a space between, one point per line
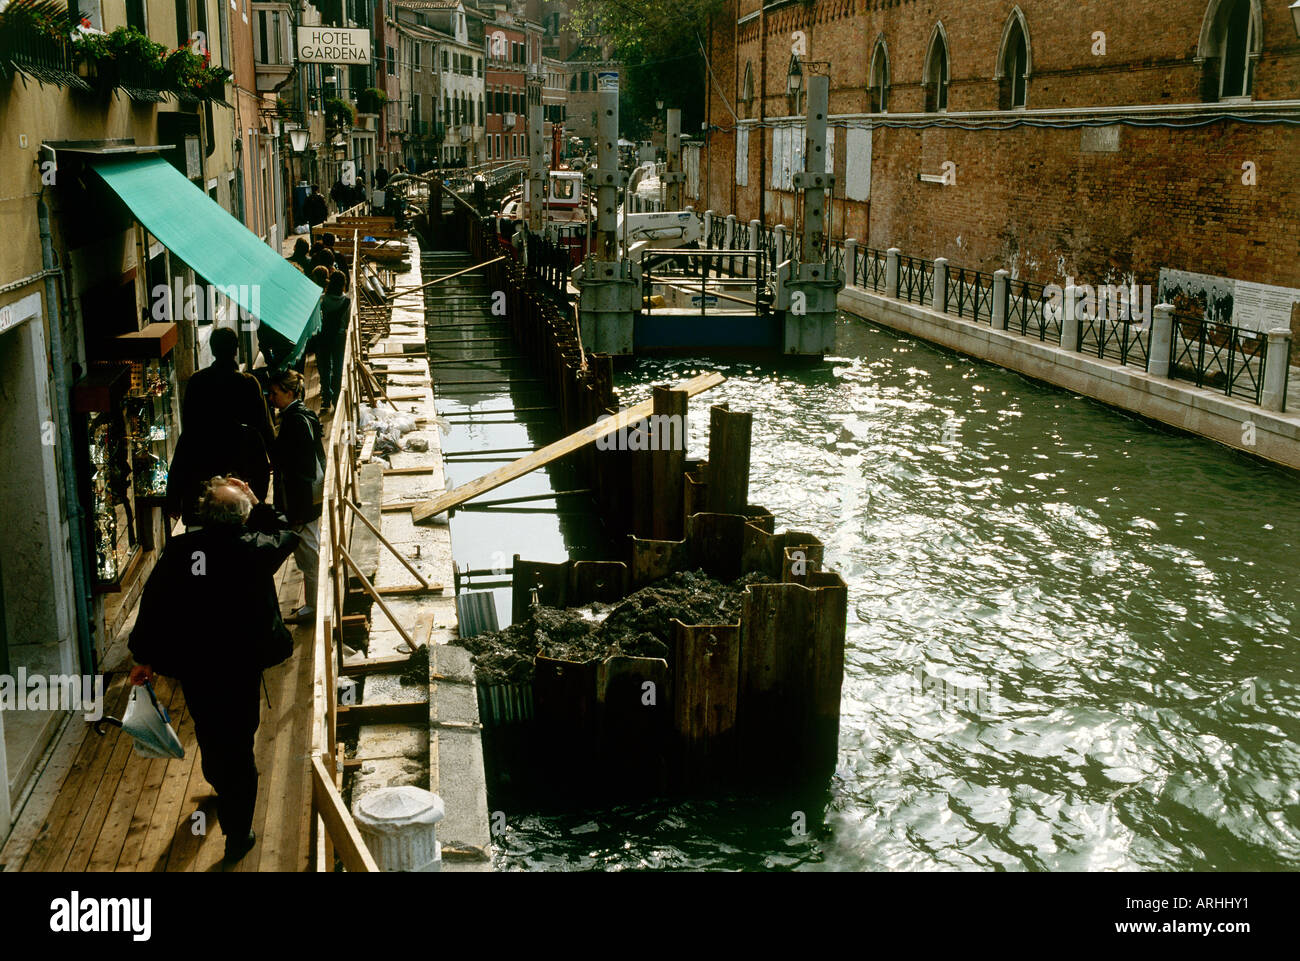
1071 641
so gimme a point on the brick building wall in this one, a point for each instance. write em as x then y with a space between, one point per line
1045 202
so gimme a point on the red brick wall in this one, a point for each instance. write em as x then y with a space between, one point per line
1030 199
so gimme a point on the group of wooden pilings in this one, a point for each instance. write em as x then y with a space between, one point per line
751 702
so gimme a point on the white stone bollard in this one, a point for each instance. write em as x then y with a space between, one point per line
1276 369
939 296
399 825
1162 337
1074 300
1001 291
892 256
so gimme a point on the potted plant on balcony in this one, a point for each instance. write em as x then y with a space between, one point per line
369 104
139 63
339 114
34 40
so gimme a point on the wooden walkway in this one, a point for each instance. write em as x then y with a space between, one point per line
97 806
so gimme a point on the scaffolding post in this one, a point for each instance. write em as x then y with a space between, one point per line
608 283
807 285
536 156
674 176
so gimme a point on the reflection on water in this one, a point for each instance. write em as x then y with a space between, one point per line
1071 641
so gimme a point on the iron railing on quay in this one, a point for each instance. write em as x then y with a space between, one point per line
916 280
969 294
1115 338
1218 356
1029 313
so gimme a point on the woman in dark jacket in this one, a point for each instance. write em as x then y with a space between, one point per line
333 338
299 461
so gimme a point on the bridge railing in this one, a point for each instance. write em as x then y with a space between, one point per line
687 271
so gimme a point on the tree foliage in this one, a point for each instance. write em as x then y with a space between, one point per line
658 43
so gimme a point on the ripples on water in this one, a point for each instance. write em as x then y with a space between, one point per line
1123 598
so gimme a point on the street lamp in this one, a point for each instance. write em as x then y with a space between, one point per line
298 137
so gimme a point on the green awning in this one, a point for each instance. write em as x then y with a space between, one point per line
219 248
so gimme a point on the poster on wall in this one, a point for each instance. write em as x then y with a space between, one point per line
1223 300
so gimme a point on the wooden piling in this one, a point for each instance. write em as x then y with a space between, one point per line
706 671
667 463
728 477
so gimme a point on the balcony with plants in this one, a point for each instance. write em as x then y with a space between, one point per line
36 42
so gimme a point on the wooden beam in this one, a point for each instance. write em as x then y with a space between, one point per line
437 280
385 713
340 827
424 581
409 589
439 505
370 589
392 471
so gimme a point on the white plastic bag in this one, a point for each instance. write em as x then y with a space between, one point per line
147 722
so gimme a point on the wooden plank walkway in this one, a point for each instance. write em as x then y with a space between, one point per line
97 806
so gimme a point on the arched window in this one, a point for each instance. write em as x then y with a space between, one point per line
1012 72
747 88
936 72
794 85
1229 48
878 84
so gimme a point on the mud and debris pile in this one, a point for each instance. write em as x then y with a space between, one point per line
640 625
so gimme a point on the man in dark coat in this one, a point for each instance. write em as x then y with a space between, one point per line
299 460
210 618
225 429
314 209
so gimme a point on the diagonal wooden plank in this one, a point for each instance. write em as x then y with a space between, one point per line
540 458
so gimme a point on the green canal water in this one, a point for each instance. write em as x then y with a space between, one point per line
1122 599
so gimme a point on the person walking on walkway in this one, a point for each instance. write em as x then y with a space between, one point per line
333 339
299 461
209 617
225 429
301 256
314 209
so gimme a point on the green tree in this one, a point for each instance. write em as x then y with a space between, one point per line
659 44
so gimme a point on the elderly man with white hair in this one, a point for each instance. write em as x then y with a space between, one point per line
210 618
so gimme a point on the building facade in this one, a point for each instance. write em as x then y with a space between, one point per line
87 340
1035 137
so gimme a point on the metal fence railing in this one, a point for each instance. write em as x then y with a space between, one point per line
1208 354
1218 356
1029 311
969 294
915 280
1116 338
